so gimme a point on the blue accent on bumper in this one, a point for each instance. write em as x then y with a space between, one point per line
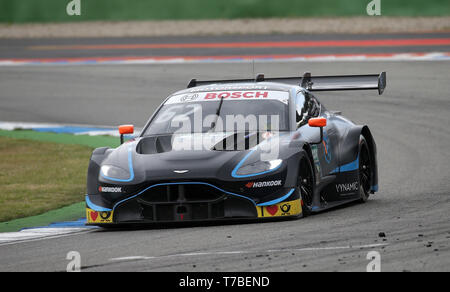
239 165
273 202
130 169
95 207
183 183
374 188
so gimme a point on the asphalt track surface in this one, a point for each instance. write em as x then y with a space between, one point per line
223 45
410 123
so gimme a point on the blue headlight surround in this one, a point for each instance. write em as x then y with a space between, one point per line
241 163
130 169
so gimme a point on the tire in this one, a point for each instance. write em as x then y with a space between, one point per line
305 183
365 170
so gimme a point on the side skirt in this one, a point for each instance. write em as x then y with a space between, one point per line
331 205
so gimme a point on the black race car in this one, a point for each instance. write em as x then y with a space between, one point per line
237 149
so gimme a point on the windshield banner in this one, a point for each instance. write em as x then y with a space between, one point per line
230 95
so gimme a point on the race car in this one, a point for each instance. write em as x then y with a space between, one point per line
237 149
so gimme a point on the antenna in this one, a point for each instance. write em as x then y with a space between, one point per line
253 66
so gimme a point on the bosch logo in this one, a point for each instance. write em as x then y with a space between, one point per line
238 94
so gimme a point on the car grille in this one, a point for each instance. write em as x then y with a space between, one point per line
177 202
189 193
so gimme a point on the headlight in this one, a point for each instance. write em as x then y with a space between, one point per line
114 172
259 167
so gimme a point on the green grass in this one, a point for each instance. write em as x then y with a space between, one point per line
68 213
36 177
40 172
85 140
19 11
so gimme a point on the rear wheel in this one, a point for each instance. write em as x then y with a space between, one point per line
305 183
365 171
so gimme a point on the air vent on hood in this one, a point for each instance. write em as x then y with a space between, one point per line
154 145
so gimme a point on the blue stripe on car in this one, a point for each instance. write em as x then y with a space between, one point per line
273 202
239 165
95 207
354 165
130 167
102 209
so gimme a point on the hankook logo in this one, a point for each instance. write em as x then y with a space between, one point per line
110 189
263 184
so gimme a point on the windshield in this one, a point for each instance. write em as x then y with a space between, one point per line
239 111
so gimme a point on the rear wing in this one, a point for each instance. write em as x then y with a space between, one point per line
315 83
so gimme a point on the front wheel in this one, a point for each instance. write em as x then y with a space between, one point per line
305 184
365 171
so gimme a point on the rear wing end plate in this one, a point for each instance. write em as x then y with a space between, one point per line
315 83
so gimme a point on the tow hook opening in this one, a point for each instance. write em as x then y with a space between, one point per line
181 210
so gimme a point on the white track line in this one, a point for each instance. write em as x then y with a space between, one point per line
218 253
36 234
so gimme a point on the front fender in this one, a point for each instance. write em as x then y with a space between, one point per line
97 157
349 150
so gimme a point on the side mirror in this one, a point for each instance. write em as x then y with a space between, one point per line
125 129
318 123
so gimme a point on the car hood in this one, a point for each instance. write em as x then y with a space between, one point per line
190 156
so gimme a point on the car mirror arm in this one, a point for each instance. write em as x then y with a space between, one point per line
321 138
318 123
